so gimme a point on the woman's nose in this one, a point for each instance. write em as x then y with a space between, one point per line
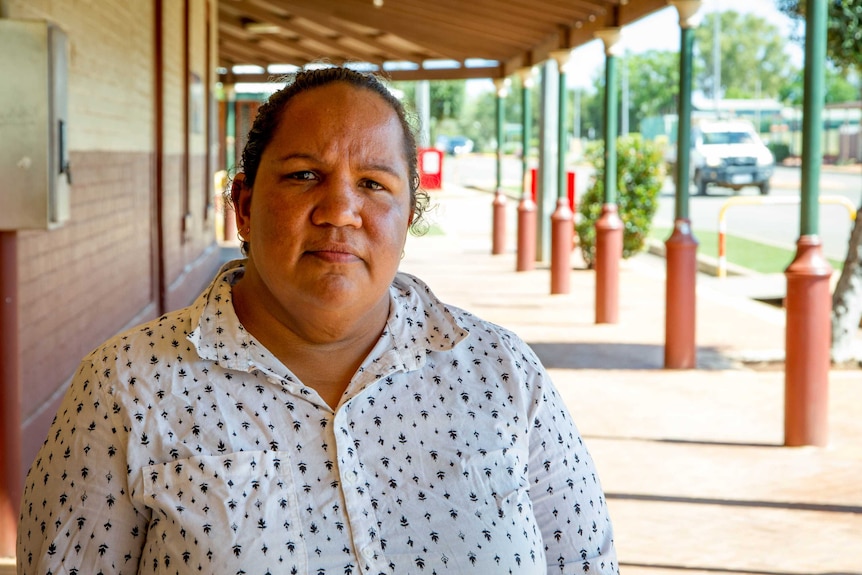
337 204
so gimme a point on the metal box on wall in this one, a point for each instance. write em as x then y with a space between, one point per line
35 176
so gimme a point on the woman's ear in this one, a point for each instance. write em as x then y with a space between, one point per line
240 196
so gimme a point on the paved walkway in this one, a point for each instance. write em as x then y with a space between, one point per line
692 461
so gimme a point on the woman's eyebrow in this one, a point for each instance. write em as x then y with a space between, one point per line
378 167
371 166
294 156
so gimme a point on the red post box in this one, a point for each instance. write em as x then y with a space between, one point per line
570 186
430 168
534 183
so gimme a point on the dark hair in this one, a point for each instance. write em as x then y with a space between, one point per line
269 116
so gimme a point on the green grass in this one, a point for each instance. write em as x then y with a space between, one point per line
435 230
762 258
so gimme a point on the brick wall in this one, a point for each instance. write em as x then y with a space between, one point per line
98 274
83 282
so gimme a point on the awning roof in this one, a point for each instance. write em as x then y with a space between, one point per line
413 39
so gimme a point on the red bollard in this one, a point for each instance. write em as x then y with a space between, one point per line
562 236
609 250
526 260
680 350
807 339
498 232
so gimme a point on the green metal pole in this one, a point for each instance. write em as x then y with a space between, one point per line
611 117
812 123
526 117
683 138
562 122
230 132
500 120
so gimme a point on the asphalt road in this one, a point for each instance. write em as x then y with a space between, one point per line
776 223
768 223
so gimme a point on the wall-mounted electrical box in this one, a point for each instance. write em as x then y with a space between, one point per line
35 175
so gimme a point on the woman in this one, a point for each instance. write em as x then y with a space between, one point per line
315 411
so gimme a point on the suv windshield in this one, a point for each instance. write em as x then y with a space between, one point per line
727 138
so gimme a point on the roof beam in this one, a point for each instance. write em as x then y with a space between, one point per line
400 75
286 23
316 14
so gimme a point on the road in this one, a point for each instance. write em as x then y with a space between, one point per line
773 224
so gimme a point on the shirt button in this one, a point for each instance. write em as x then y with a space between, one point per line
368 553
350 477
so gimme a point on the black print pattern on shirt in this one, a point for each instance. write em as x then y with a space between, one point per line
184 446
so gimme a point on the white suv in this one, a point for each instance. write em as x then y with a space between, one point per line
729 153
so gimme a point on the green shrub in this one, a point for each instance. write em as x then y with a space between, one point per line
780 150
640 176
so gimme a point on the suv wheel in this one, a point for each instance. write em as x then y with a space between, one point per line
700 183
764 188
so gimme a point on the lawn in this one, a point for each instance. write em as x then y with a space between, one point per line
762 258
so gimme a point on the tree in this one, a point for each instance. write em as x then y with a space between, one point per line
838 89
447 100
843 38
653 84
747 43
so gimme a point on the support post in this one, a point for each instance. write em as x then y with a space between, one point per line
808 301
609 227
562 220
228 214
526 257
11 471
498 206
680 351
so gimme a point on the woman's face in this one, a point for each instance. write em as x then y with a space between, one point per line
328 215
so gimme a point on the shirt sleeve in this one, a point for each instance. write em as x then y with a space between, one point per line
565 491
77 513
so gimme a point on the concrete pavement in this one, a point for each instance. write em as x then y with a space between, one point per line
691 461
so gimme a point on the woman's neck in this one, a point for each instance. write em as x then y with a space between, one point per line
324 349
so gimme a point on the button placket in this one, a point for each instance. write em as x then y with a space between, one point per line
357 502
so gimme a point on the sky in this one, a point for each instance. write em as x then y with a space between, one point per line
660 31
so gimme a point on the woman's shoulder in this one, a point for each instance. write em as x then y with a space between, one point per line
152 334
480 330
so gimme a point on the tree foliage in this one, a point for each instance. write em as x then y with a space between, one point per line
747 43
447 100
843 30
653 81
838 89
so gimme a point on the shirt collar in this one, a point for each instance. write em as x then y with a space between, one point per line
419 323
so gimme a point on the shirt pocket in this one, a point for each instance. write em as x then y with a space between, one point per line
223 514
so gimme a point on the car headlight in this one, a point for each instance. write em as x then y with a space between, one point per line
713 161
765 160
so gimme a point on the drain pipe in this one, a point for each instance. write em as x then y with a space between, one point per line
11 478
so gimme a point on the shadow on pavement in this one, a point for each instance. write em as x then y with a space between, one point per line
612 355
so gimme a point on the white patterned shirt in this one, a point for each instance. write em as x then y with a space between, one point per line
185 446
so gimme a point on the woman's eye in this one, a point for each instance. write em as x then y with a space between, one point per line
372 185
302 175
